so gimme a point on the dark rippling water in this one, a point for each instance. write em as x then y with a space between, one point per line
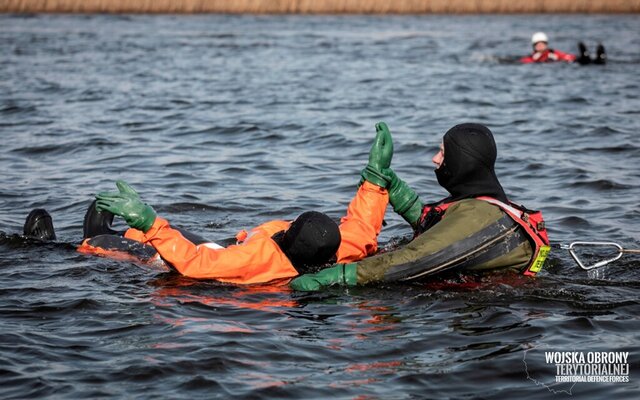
223 122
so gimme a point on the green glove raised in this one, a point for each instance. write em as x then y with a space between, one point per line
341 274
127 204
405 201
379 157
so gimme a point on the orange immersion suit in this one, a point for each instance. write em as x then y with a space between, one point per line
257 258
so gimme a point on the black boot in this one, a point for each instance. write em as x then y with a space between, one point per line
583 54
97 222
601 56
39 225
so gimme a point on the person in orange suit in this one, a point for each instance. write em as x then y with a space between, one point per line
273 251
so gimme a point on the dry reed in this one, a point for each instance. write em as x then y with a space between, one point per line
321 6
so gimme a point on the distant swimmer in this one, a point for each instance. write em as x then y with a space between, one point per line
275 251
543 54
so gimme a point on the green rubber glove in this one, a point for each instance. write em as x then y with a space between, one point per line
341 274
405 201
379 156
127 204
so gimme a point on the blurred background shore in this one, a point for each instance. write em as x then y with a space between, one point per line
322 6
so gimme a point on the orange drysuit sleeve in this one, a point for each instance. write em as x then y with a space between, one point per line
362 224
134 234
257 260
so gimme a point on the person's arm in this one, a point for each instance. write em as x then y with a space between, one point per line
527 60
257 260
405 201
134 234
359 229
361 226
562 56
465 225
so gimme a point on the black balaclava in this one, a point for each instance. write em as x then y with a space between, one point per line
468 167
311 240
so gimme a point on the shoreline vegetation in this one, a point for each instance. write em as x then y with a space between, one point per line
322 6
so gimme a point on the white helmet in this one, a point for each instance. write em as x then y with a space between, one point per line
539 37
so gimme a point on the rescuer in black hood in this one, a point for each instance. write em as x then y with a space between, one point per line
476 228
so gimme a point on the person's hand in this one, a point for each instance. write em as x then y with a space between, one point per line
379 156
127 204
341 274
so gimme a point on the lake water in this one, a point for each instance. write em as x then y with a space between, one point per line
224 122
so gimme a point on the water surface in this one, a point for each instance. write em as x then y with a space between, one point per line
223 122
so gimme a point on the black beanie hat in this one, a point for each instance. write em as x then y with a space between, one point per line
468 167
312 240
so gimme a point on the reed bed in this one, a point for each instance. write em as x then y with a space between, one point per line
321 6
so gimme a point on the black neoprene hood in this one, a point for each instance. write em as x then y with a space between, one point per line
469 160
311 240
